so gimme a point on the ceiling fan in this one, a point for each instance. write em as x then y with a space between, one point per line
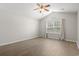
42 7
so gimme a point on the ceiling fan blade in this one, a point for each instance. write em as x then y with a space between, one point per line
36 9
38 4
46 9
47 5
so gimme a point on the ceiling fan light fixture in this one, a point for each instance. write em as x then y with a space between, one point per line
42 7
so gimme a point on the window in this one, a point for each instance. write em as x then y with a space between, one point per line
54 26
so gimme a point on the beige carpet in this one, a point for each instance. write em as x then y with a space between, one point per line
40 47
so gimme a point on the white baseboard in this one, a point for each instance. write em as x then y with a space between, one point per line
70 40
3 44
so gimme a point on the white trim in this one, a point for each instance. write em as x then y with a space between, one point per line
70 40
3 44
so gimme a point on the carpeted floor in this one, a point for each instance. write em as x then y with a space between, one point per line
40 47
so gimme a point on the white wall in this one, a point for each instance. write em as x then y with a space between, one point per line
42 28
14 27
70 24
78 29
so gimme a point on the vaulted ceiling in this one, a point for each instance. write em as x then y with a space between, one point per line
27 9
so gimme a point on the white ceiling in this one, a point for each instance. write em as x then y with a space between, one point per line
26 9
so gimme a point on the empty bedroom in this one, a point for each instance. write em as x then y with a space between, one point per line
39 29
